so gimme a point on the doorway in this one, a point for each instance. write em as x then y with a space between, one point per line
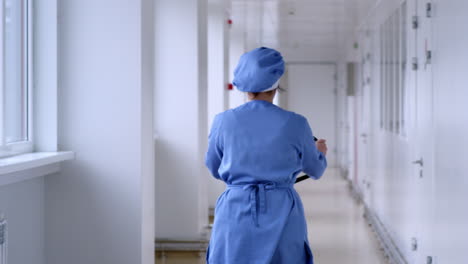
311 92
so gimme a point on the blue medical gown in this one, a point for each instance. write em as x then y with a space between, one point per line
258 149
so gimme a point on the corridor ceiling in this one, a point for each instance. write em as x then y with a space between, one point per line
301 29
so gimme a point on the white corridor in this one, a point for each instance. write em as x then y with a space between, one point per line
338 232
106 109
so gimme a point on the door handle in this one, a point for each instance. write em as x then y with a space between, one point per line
420 162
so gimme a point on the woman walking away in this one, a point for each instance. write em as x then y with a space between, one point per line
258 149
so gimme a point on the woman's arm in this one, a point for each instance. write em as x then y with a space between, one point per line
214 155
314 161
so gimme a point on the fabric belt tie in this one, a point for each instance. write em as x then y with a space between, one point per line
258 189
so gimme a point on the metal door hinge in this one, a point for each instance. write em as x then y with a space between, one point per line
429 10
428 57
414 244
415 64
2 232
415 22
429 260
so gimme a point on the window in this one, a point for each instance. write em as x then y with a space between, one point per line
15 76
393 53
396 70
403 65
381 74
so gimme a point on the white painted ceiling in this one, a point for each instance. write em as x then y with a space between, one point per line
301 29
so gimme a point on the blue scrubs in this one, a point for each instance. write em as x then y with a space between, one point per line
258 149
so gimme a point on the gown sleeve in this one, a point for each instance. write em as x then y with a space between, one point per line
214 154
314 162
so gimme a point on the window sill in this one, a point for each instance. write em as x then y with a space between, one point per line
27 166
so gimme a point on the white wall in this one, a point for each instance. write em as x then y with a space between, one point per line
96 204
253 19
218 75
22 204
451 128
343 127
429 208
237 47
147 183
181 119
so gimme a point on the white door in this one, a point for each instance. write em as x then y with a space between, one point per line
311 93
364 118
423 157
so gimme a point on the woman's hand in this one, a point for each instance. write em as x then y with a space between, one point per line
322 146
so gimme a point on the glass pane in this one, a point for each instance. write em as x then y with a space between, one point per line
385 75
391 87
15 39
404 48
381 77
388 76
397 70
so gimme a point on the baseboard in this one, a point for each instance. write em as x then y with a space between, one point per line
211 212
344 173
386 242
356 192
168 245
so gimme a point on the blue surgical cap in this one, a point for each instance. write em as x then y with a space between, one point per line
258 70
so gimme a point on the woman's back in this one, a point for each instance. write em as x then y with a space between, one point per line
260 142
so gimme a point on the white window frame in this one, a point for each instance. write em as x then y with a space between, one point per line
42 105
16 148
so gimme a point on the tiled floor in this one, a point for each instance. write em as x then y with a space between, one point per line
338 233
181 258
